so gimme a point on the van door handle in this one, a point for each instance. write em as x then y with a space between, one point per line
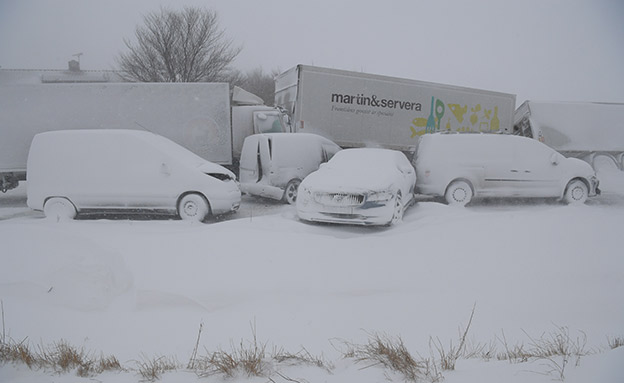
514 171
527 171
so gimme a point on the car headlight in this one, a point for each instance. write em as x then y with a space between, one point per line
380 196
304 192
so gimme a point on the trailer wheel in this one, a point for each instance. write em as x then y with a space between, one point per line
193 207
290 193
576 192
458 193
59 208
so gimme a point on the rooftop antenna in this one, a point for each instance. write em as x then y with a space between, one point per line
78 56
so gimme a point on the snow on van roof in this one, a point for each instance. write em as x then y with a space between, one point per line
454 136
159 142
457 145
296 136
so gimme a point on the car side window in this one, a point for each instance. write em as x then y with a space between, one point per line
540 151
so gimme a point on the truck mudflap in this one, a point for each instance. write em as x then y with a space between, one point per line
8 181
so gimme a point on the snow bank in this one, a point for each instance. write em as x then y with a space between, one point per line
143 287
54 268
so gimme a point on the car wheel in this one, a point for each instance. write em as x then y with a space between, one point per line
59 208
576 192
398 210
458 193
193 207
290 193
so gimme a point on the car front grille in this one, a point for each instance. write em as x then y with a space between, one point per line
339 199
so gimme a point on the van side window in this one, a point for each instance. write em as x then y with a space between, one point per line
258 161
270 140
327 152
324 155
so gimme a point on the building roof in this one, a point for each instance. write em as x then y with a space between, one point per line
72 75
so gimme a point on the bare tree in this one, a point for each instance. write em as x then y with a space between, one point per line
259 83
178 46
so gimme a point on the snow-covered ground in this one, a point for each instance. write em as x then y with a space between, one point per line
139 289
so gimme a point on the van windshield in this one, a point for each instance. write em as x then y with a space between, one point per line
176 151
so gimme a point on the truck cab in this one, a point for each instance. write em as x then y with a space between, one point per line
254 119
251 116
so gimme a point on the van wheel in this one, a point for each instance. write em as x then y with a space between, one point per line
59 208
458 193
398 209
193 207
576 192
290 193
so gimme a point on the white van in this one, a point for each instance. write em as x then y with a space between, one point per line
272 165
74 171
462 166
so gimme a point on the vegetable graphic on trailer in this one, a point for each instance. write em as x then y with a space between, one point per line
430 126
430 120
481 119
439 109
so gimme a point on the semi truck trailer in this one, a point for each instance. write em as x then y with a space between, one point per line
205 118
356 109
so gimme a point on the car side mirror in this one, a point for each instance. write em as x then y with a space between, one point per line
554 159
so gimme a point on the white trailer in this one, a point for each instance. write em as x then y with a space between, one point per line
356 109
202 117
585 130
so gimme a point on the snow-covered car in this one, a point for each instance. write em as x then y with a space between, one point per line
272 165
363 186
76 171
463 166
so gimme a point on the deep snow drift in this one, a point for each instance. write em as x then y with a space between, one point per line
135 288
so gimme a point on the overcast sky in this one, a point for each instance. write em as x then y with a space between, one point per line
568 50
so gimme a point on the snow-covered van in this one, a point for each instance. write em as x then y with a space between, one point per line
272 165
460 166
75 171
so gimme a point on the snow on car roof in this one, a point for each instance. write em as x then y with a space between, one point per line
366 157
